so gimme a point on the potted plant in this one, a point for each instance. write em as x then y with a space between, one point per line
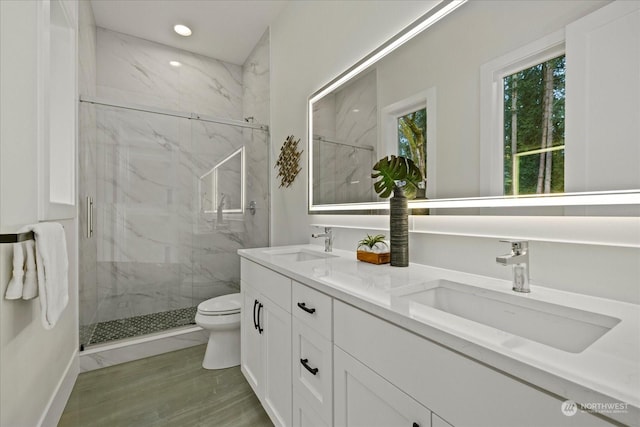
400 176
373 249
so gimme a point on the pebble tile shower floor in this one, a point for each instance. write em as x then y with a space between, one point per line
135 326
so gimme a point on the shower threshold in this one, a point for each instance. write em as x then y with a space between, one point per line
113 330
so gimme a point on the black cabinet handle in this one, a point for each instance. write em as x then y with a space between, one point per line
416 425
303 306
314 371
255 322
260 329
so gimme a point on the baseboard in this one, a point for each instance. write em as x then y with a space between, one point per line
105 355
55 406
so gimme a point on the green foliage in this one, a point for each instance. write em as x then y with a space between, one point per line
396 171
412 138
527 88
371 241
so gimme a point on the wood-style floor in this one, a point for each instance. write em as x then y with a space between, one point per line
171 389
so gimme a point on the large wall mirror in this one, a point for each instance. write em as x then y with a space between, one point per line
522 107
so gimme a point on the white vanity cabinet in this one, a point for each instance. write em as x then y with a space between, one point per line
266 339
314 360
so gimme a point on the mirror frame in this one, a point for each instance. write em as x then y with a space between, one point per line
417 207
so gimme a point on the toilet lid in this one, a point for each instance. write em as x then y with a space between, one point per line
225 304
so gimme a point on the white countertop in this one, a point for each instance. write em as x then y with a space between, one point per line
606 371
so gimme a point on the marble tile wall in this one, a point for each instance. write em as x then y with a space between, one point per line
157 249
131 69
350 116
256 104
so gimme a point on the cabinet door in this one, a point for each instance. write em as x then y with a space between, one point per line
313 378
277 361
251 340
304 415
362 398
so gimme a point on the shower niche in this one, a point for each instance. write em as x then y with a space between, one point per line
222 187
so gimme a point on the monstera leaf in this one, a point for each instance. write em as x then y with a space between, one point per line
396 171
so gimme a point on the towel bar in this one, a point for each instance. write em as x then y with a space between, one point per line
15 238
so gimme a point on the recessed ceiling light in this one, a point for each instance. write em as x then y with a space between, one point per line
183 30
175 63
355 110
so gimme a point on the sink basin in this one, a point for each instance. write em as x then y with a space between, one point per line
564 328
297 255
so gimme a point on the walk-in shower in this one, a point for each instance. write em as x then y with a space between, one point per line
169 199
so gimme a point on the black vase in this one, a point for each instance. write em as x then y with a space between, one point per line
399 228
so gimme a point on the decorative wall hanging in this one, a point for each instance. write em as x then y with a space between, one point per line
288 161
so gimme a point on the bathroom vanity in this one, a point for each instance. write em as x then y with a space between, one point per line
331 341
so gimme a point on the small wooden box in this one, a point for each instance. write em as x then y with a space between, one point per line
374 258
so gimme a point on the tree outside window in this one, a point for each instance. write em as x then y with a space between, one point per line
534 129
412 139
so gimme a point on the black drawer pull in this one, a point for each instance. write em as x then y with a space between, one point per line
255 322
314 371
305 308
260 328
416 425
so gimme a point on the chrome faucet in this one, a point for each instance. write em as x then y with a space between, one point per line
328 238
519 259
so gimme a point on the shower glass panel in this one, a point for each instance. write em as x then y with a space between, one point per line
168 196
344 171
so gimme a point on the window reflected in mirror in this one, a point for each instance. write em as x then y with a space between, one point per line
534 105
412 141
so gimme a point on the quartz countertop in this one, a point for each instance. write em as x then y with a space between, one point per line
607 371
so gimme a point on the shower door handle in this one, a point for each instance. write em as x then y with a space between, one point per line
89 217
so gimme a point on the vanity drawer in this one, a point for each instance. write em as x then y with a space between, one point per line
313 369
274 286
313 308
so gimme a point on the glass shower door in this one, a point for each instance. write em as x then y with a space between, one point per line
174 199
139 227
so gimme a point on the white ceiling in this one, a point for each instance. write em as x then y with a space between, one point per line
222 29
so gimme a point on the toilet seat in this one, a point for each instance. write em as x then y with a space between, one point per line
221 306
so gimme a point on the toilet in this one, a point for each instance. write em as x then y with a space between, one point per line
220 316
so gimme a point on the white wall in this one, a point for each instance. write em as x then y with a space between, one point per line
33 361
313 42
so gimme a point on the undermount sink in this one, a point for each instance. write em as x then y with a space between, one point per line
299 254
561 327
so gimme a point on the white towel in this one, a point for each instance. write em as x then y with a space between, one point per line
30 288
14 290
52 264
47 270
